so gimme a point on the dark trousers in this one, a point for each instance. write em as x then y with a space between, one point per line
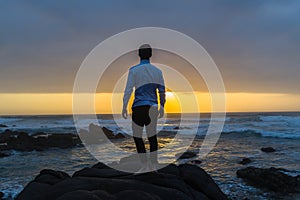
145 116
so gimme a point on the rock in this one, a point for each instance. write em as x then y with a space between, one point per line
94 129
245 161
133 194
94 136
1 195
51 177
3 126
3 154
21 141
34 191
195 162
187 154
79 195
268 149
198 179
270 179
183 182
119 136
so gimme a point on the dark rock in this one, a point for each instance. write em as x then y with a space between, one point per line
104 195
133 194
268 149
101 165
94 136
108 133
270 179
1 195
195 162
199 180
4 154
50 176
79 195
96 172
183 182
119 136
187 154
94 129
245 161
21 141
2 126
34 191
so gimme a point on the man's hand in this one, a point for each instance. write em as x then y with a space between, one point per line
161 112
124 113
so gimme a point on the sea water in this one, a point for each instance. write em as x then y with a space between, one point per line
243 135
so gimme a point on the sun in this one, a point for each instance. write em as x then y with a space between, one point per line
170 95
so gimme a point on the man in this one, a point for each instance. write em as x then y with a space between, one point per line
147 81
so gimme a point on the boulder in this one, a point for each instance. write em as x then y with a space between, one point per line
183 182
187 154
21 141
199 180
96 130
50 176
268 149
245 161
119 136
3 126
270 179
195 162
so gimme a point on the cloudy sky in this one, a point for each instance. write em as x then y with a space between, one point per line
255 43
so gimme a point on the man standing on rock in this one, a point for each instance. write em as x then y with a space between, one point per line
148 81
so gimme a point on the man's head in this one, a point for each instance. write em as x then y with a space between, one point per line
145 51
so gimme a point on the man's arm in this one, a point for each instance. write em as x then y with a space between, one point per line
127 93
162 96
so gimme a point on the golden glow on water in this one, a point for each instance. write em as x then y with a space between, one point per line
61 103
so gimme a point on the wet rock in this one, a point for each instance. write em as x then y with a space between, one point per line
3 154
195 162
21 141
2 126
268 149
94 129
1 195
270 179
245 161
79 195
187 154
183 182
119 136
198 179
51 177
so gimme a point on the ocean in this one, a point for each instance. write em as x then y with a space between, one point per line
243 135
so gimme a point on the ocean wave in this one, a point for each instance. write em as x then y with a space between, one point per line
288 120
264 133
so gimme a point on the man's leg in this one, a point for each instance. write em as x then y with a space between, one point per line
137 129
138 138
151 134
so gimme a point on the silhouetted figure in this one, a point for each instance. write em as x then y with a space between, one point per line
148 81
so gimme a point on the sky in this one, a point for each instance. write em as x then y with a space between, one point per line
255 45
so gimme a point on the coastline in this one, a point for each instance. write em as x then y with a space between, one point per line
235 144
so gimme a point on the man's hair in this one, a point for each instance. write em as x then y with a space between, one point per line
145 51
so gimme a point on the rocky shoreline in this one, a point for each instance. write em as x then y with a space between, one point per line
274 181
22 141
